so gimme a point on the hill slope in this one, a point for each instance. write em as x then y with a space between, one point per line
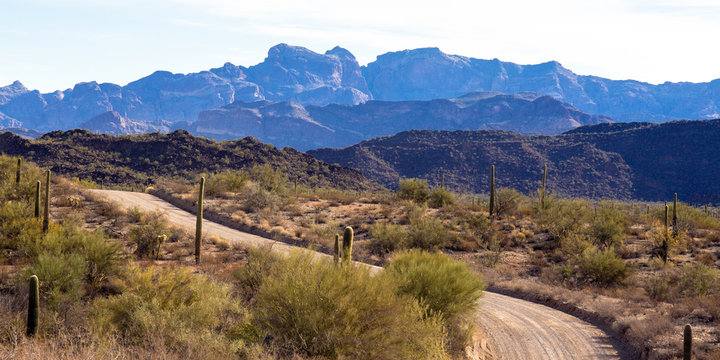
141 159
650 162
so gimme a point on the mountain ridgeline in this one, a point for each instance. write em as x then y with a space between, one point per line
145 159
623 161
301 76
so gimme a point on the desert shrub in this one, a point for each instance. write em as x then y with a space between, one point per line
386 238
428 233
62 277
226 181
602 267
697 279
318 309
260 264
608 225
446 287
29 174
145 235
17 224
414 189
506 201
563 218
269 179
257 198
172 305
440 197
658 287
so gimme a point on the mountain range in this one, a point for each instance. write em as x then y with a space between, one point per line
298 75
624 161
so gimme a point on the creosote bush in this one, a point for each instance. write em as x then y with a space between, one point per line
414 189
607 228
428 233
386 238
318 309
145 235
697 279
603 267
440 197
506 201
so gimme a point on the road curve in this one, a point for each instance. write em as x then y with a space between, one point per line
517 329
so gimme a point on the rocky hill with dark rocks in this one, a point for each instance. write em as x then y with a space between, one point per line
143 159
637 161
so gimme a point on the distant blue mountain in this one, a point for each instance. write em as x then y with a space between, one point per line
291 73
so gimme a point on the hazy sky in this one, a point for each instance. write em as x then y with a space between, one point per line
53 44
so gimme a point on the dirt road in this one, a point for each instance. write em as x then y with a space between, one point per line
517 329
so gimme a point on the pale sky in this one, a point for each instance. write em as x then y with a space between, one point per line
53 44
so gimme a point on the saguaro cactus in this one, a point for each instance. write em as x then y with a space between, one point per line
347 245
675 218
442 181
542 194
46 213
665 248
687 343
158 244
37 199
492 190
33 306
17 174
336 254
198 223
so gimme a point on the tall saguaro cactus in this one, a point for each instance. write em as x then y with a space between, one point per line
442 181
37 199
542 194
675 218
46 213
336 254
33 306
665 248
687 343
347 245
492 190
17 174
198 223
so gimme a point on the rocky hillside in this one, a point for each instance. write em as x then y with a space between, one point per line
638 161
141 159
296 74
312 127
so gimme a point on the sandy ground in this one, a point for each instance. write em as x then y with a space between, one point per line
517 329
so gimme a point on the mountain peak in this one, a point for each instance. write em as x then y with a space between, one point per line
340 53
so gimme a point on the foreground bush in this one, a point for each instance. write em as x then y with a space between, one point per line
319 309
183 311
413 189
603 267
428 233
697 279
386 238
607 228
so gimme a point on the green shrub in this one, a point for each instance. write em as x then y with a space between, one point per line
62 277
172 305
608 225
414 189
318 309
602 267
697 279
506 201
269 179
257 198
440 197
17 224
226 181
386 238
428 233
563 218
260 264
145 235
658 287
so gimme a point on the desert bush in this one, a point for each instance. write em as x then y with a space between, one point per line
506 201
30 173
697 279
17 224
602 267
172 305
428 233
607 227
440 197
269 179
318 309
446 287
256 198
145 235
62 277
386 238
226 181
414 189
563 218
260 264
658 287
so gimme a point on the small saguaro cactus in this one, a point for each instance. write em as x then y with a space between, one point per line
665 248
46 213
33 306
491 207
687 343
675 218
347 245
17 175
542 193
37 199
336 254
158 243
442 181
198 222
